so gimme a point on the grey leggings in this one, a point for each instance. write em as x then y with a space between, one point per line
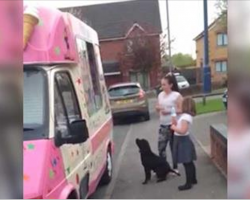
166 135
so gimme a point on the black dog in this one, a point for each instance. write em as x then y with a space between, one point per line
152 162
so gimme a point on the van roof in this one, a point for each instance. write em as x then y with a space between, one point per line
53 38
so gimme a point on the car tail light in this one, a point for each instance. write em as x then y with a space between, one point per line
141 94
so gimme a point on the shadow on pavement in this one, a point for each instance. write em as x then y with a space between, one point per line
128 120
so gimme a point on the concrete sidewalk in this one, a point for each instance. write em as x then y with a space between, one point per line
201 128
131 174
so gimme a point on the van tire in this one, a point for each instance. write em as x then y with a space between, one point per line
72 195
83 189
107 176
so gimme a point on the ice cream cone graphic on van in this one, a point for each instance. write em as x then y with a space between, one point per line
30 20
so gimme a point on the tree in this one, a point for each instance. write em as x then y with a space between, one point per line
164 48
140 52
182 60
222 7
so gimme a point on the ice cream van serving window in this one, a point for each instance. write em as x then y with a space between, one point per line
90 75
35 104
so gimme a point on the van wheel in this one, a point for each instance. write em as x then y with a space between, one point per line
83 189
72 195
107 176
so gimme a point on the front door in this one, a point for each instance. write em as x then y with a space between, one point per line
67 110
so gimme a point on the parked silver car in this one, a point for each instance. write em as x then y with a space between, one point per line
128 100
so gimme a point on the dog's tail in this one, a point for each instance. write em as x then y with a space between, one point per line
175 172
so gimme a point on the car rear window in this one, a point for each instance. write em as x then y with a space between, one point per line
124 91
180 79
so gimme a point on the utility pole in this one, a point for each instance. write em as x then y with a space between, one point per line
169 38
206 67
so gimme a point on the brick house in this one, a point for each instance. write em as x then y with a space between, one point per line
218 51
115 23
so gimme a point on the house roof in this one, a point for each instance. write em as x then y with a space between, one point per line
114 20
209 28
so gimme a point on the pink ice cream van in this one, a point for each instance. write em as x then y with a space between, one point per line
67 123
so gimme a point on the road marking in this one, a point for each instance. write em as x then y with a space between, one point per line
117 165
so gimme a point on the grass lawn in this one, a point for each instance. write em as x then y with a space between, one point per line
212 105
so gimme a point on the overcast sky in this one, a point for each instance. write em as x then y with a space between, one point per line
186 18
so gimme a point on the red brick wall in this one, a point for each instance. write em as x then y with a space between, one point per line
218 151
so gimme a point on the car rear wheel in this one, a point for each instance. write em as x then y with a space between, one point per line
147 116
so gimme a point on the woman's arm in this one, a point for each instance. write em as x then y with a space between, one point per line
183 129
161 110
158 108
179 105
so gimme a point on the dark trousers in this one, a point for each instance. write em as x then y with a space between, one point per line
166 135
190 172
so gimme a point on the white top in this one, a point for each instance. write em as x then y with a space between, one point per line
184 117
167 102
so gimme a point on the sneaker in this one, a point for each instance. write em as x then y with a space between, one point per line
185 187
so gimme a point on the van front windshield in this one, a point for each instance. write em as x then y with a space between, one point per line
34 104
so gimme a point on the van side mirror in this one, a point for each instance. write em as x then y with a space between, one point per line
78 133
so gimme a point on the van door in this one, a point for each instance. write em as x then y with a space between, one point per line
75 157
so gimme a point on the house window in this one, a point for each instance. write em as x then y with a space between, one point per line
221 66
140 77
222 39
95 75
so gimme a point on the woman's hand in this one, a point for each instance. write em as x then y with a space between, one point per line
163 112
158 108
173 127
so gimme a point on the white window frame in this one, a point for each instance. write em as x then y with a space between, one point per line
222 68
222 39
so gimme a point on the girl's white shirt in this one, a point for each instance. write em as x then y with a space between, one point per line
184 117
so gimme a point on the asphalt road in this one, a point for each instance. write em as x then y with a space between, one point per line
129 174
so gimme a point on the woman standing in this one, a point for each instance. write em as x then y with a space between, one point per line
169 103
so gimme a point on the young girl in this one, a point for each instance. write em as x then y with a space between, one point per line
184 150
168 100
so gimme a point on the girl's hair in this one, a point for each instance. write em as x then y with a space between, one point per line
172 80
188 106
